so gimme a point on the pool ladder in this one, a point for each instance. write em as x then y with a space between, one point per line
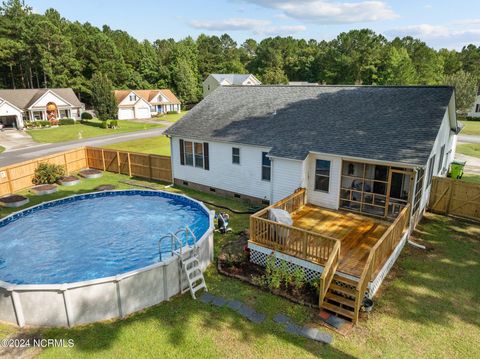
189 261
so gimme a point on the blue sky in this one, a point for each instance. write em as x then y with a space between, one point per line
440 23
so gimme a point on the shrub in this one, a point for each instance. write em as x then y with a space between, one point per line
86 116
48 173
171 112
104 124
113 124
298 278
67 121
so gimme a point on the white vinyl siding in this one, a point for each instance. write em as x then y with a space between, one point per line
287 176
325 199
243 178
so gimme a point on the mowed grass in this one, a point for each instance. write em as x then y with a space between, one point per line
2 149
428 307
469 149
159 145
471 128
171 117
79 131
471 178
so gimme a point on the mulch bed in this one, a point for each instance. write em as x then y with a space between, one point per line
43 189
233 262
91 173
69 180
13 201
105 187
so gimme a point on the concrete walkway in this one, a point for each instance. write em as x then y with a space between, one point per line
38 150
469 138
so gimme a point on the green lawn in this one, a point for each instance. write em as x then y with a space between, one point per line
159 145
471 178
78 131
2 149
469 149
471 128
427 308
172 117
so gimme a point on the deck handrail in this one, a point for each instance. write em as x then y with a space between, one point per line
329 272
379 253
290 203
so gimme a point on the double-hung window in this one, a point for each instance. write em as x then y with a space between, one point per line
236 155
194 154
322 175
266 167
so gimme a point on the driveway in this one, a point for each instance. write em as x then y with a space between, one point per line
38 150
12 139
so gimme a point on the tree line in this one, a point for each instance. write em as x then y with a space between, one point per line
49 51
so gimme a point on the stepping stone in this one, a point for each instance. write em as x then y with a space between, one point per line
281 319
218 301
234 304
256 317
335 322
246 311
309 332
323 337
206 298
293 329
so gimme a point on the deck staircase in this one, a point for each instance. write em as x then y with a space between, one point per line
194 274
340 297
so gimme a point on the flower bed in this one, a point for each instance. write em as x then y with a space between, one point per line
13 201
44 189
91 173
69 181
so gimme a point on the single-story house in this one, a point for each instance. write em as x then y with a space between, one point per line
352 166
475 111
216 80
19 106
143 104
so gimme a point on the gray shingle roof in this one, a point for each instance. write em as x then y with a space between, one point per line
24 98
395 124
234 79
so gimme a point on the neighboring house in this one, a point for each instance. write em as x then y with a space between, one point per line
19 106
353 165
143 104
475 112
215 80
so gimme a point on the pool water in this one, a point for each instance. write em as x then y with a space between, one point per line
94 237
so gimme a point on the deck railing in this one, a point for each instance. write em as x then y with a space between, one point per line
328 272
290 240
379 254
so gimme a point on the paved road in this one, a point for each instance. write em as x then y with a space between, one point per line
468 139
24 154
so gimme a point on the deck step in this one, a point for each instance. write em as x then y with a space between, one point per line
338 310
339 299
344 290
348 281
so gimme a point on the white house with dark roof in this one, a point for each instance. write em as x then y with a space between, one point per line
352 166
216 80
18 106
318 137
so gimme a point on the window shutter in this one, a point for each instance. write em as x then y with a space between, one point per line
206 163
182 153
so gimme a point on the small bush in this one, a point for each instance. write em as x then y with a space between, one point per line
48 173
113 124
298 278
67 121
104 124
171 112
86 116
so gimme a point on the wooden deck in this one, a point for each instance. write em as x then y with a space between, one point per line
357 233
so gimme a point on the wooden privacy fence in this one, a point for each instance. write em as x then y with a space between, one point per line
455 197
134 164
19 176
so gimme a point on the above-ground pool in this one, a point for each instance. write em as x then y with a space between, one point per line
96 256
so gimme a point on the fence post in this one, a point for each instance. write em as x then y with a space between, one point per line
129 165
66 163
9 180
118 162
103 161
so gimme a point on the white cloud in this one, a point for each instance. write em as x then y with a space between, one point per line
331 12
229 24
452 35
256 26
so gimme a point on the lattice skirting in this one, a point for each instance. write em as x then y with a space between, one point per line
258 255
